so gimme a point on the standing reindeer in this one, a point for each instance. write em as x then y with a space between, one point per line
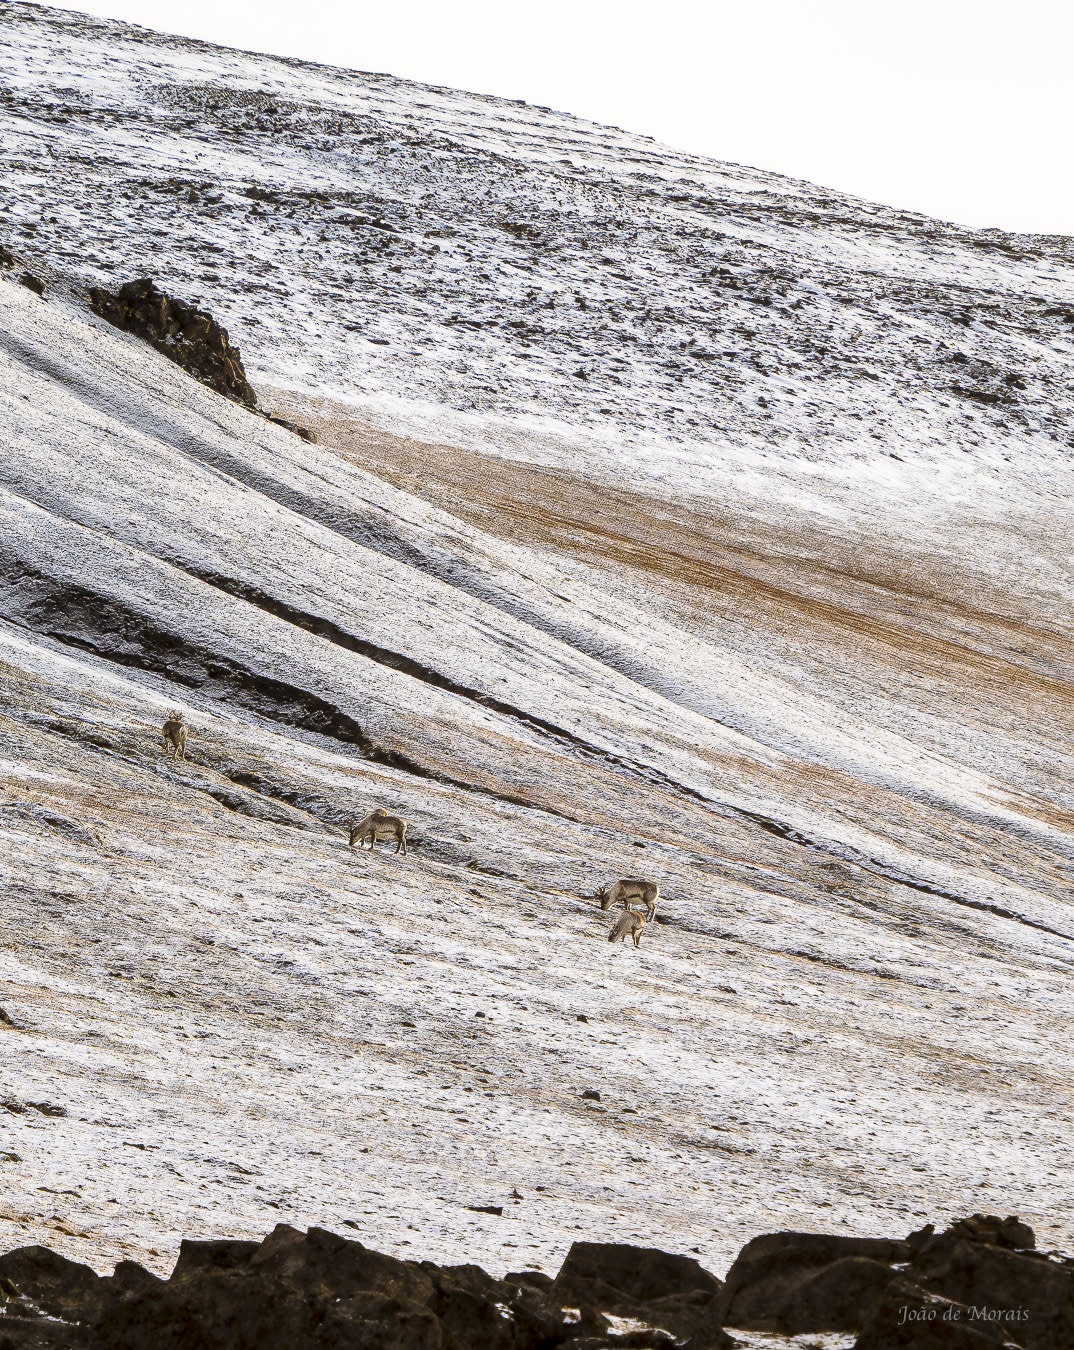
379 825
627 889
174 733
629 924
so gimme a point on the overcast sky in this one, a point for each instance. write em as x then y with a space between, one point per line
960 108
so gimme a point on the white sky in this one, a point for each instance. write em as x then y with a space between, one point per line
959 108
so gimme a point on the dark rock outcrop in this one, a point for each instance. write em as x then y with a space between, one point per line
1009 1232
188 336
671 1292
907 1317
317 1291
1023 1293
37 1278
978 1286
800 1282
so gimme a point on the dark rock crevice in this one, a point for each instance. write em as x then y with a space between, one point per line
78 617
417 670
383 656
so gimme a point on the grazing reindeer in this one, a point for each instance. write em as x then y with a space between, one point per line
627 889
379 825
629 924
174 735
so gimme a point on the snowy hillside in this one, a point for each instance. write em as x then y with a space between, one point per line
667 518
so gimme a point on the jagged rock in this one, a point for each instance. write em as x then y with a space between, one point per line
303 1290
1009 1232
58 1287
802 1282
1028 1295
663 1290
7 258
319 1291
33 283
188 336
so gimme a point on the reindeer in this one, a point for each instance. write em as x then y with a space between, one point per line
629 924
174 733
627 889
379 825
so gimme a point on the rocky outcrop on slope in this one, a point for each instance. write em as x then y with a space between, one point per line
188 336
421 244
969 1288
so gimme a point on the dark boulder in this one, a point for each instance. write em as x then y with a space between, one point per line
59 1287
1028 1295
805 1282
319 1291
907 1317
988 1228
663 1290
535 1279
188 336
642 1272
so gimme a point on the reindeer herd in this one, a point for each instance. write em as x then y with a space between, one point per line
380 825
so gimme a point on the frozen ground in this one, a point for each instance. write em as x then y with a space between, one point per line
809 665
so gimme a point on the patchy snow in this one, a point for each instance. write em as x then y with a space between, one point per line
808 665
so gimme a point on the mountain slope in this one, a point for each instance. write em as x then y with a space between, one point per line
821 698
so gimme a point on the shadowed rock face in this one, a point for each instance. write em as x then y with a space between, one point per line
188 336
644 1284
301 1291
980 1283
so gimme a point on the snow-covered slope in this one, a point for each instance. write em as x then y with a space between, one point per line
807 662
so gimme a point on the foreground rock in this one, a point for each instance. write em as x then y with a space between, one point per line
297 1291
799 1282
188 336
978 1286
673 1293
